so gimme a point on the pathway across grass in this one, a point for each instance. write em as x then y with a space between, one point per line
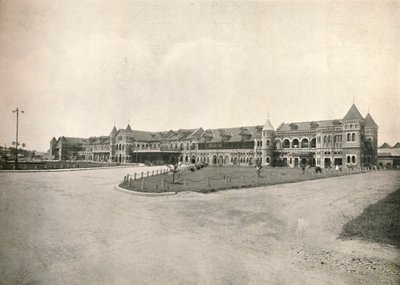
213 178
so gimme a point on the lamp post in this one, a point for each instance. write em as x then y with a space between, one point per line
16 139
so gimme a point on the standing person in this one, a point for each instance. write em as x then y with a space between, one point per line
303 167
259 166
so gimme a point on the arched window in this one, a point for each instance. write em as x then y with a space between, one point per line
267 143
353 137
348 137
313 143
304 143
324 139
353 159
286 143
348 159
267 160
295 143
329 139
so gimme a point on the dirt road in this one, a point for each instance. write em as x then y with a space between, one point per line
73 228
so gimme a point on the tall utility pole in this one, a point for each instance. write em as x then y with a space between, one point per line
16 139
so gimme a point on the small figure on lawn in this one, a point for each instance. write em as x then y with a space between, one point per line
303 167
258 167
174 170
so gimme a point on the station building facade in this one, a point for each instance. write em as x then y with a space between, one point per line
350 141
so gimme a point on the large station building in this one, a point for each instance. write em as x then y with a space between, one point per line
350 141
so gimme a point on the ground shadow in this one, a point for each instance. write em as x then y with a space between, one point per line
380 222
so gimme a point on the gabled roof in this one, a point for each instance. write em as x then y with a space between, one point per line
397 145
196 134
369 122
98 140
70 140
385 145
232 134
180 134
307 126
353 114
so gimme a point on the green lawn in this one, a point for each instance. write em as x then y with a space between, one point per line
213 178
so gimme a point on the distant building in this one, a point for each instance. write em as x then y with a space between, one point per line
350 141
389 156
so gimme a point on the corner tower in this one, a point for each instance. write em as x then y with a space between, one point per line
267 148
353 135
112 144
371 144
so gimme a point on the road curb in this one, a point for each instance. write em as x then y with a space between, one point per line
118 188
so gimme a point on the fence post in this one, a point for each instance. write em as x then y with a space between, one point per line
186 185
147 174
134 176
162 185
129 183
152 173
256 180
141 175
142 186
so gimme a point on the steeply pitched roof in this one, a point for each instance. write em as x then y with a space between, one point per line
233 134
97 140
353 114
268 126
385 145
114 131
397 145
307 126
70 140
369 122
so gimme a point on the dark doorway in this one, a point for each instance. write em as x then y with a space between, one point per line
327 162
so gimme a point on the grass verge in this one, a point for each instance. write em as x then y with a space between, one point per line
380 222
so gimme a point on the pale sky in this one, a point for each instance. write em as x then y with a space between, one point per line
76 67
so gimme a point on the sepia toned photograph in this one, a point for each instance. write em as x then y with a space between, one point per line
199 142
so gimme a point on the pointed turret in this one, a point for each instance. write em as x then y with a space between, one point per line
353 114
369 121
267 140
268 126
114 131
128 128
